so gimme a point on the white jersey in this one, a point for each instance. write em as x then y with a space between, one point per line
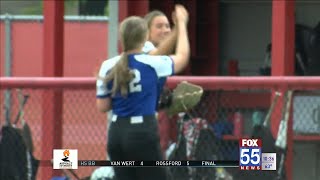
148 46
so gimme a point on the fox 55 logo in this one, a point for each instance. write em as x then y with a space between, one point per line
250 154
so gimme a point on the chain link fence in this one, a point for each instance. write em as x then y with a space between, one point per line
209 132
83 127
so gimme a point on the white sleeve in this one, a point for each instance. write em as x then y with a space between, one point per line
101 88
148 46
163 65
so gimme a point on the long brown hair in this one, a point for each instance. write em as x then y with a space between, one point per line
133 32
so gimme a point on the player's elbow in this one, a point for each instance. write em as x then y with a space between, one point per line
103 105
180 62
102 109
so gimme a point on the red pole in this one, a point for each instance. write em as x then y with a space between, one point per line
138 8
191 6
283 39
166 6
132 8
52 67
206 59
123 10
214 37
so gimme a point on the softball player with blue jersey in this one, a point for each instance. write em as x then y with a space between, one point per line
128 86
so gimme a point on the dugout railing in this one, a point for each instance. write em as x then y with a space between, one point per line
71 103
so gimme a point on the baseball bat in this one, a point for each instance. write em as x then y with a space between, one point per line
273 104
281 141
6 114
22 102
26 132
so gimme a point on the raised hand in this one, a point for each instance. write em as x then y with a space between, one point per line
181 13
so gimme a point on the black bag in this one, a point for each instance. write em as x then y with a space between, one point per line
205 148
311 44
16 161
307 52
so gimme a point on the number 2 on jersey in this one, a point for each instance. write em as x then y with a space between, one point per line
134 85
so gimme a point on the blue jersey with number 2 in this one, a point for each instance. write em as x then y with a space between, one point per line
143 89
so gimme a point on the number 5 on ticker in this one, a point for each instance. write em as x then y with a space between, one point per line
245 157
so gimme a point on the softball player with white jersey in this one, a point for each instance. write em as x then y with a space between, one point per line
128 86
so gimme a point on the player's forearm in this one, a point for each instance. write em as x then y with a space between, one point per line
103 104
166 47
183 46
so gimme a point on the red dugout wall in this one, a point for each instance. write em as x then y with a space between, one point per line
85 47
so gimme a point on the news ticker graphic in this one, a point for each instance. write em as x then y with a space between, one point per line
159 163
252 158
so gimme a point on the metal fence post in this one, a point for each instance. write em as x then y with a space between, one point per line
112 43
7 66
113 28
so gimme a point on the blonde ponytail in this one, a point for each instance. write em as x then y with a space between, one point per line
121 76
133 32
